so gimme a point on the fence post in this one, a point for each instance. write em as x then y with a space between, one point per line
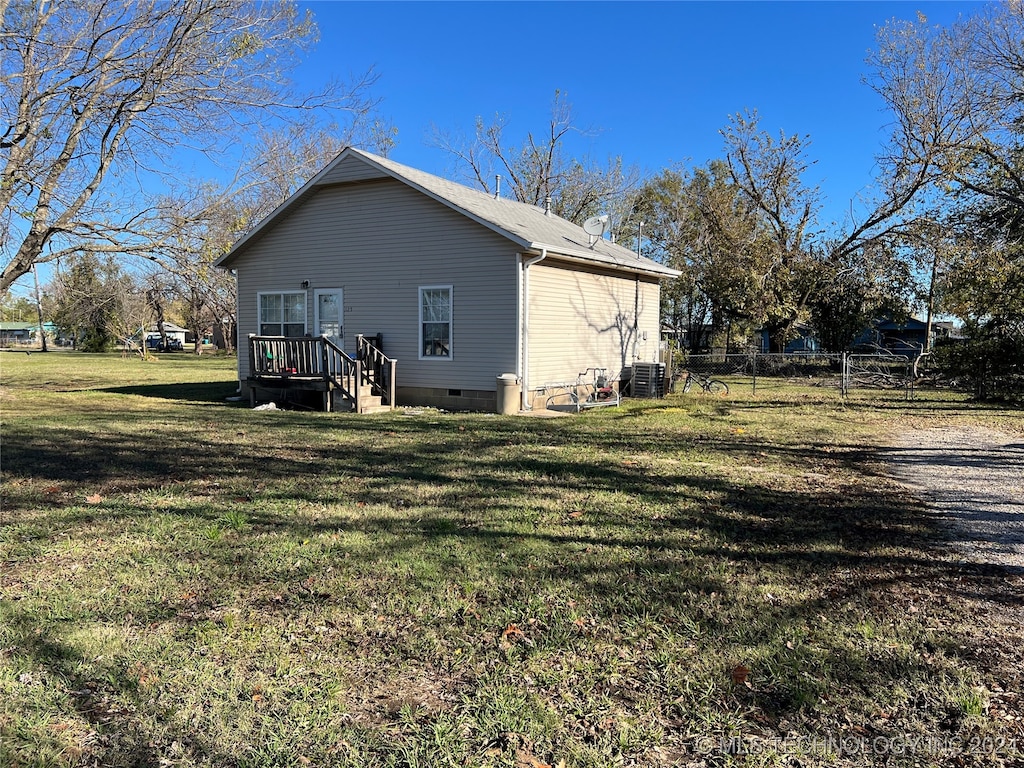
753 362
844 376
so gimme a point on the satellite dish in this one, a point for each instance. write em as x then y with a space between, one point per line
595 226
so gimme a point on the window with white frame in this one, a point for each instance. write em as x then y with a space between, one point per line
282 314
436 322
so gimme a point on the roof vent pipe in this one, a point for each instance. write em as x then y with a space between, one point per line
497 186
547 205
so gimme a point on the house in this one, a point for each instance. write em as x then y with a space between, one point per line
17 333
25 333
176 336
457 285
805 341
694 338
888 336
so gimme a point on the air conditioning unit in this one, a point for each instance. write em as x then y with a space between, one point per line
648 380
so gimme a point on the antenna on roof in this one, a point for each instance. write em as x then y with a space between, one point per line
596 226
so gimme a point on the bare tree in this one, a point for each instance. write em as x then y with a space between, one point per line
200 222
957 95
541 167
201 227
98 93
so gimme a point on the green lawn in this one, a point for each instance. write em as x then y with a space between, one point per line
186 582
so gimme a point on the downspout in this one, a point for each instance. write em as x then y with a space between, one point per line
525 327
636 319
519 316
636 297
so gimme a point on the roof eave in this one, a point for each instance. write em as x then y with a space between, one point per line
657 270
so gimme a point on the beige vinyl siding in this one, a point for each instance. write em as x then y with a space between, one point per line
380 242
581 319
352 169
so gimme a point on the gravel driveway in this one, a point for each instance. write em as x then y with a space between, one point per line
973 478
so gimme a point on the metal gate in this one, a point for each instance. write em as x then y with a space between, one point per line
878 372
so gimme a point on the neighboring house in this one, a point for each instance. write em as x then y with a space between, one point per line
805 341
176 336
884 336
17 333
888 336
692 338
461 287
946 329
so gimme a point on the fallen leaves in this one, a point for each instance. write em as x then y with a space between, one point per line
94 499
512 631
740 675
525 760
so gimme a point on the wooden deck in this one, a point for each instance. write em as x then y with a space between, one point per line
316 364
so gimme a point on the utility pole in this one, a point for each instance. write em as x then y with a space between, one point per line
39 309
931 304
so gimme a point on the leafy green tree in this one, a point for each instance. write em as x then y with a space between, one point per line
17 309
87 301
959 91
985 279
697 222
858 287
747 227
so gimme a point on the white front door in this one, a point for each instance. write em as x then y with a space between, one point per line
329 315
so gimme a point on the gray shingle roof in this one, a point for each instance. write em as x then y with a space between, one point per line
526 225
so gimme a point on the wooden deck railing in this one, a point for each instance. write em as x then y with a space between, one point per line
311 359
286 356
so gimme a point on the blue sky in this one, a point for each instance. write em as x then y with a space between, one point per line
657 81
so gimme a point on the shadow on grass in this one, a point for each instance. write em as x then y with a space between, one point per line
108 697
213 391
615 511
474 482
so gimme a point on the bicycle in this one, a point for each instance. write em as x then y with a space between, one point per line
708 385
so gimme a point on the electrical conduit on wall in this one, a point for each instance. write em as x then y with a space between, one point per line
525 326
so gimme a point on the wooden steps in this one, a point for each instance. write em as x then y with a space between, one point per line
368 402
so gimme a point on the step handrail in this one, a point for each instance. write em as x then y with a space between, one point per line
342 370
378 370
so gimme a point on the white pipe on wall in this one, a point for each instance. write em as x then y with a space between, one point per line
524 378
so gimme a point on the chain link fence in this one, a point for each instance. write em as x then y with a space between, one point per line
844 374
